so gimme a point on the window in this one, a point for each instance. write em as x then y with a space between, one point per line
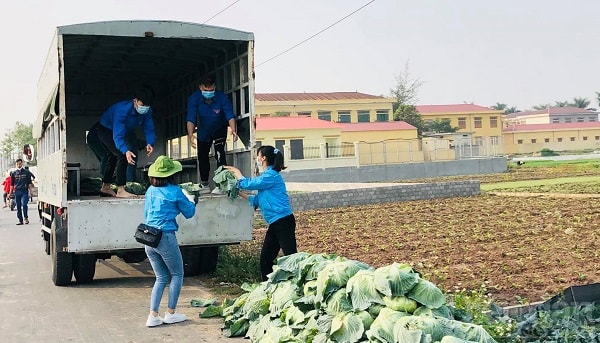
462 123
546 140
364 116
383 115
304 114
296 149
477 122
568 120
593 119
324 115
559 139
555 120
584 138
597 138
281 114
519 141
533 140
493 121
343 116
572 139
580 119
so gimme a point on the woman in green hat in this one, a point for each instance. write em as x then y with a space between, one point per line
163 203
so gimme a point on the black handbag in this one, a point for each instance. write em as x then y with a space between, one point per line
148 235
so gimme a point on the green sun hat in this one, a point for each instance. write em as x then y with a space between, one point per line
164 167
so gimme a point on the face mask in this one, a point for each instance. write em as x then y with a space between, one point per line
142 109
208 94
259 165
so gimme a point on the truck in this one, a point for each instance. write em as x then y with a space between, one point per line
91 66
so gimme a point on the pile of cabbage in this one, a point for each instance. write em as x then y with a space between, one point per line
326 298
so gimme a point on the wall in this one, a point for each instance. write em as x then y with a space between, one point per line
402 171
363 196
560 140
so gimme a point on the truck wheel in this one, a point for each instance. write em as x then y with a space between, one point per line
84 267
208 259
133 257
191 261
62 262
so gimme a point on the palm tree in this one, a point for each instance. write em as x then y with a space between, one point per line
580 102
561 104
499 107
541 107
598 98
511 109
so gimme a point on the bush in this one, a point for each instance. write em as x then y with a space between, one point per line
548 152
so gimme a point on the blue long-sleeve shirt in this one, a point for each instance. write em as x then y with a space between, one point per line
209 118
163 204
271 198
122 119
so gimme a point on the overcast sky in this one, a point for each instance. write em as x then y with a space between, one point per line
522 53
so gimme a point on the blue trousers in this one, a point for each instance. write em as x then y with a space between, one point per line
22 199
166 262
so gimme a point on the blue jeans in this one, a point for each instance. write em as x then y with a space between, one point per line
22 199
166 261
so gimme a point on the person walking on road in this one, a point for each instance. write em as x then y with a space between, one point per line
163 202
6 188
21 185
274 203
210 112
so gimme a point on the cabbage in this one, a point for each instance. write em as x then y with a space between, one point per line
335 275
283 296
395 279
400 303
382 328
429 325
450 339
428 294
362 291
347 327
338 302
442 311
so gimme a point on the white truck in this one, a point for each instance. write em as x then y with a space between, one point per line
89 67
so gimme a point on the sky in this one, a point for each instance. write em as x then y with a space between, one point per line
521 53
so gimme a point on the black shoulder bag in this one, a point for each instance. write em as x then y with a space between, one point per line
148 235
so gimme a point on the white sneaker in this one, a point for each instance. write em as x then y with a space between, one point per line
154 321
204 189
173 318
217 191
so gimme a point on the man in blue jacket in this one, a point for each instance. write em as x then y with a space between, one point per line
210 112
107 138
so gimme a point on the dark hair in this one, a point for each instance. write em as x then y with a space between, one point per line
19 160
144 94
161 181
273 155
207 80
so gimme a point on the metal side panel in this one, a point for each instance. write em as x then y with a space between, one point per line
109 224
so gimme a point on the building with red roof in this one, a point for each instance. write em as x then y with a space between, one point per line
479 120
532 138
554 115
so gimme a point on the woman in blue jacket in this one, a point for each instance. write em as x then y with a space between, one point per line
274 204
163 203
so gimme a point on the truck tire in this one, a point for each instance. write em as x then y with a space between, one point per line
133 256
208 259
62 262
191 261
84 267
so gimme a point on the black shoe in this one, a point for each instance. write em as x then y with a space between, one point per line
20 223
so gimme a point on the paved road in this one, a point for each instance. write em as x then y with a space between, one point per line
113 308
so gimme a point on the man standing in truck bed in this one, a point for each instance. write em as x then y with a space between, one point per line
211 112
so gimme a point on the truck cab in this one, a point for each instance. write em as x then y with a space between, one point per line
88 68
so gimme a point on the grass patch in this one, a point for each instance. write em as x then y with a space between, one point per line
238 263
538 183
584 164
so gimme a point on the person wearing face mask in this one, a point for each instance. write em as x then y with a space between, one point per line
21 184
209 113
274 203
108 139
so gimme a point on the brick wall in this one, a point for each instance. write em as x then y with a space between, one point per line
401 192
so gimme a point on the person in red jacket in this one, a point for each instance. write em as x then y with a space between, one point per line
6 186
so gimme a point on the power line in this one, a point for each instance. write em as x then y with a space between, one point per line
223 10
316 34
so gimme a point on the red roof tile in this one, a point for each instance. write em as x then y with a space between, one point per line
377 126
454 108
293 123
551 127
314 96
